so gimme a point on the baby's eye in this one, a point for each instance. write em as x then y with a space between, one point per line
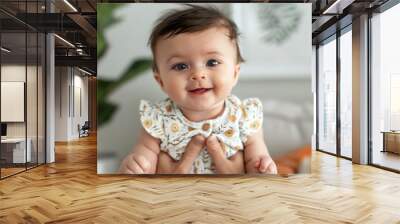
212 63
180 66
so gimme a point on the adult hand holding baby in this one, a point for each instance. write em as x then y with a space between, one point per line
166 165
223 165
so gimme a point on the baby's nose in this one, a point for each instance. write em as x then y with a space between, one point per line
198 76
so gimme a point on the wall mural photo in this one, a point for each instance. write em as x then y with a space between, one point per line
222 88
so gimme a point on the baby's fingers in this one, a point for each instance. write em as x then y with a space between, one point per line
143 164
135 168
267 165
272 168
264 164
257 164
125 167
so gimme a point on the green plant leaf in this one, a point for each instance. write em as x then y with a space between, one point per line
101 44
105 14
136 68
105 18
106 111
104 88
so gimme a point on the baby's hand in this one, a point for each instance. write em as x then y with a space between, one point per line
265 164
135 164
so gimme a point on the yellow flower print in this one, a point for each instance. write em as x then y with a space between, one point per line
232 118
147 123
255 124
244 112
175 127
229 133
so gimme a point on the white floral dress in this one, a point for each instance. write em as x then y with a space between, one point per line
165 121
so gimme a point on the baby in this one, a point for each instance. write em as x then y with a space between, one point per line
201 128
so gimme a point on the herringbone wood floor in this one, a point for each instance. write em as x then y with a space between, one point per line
70 191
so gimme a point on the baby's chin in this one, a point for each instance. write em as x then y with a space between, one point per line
201 107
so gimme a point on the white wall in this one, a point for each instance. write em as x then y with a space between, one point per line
81 82
290 58
12 101
68 83
15 72
80 94
33 125
12 73
61 103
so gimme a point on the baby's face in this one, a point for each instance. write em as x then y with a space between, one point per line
197 70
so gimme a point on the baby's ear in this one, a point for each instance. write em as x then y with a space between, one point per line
158 79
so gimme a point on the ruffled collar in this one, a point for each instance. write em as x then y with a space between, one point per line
205 125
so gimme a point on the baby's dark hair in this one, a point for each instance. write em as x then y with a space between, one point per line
193 18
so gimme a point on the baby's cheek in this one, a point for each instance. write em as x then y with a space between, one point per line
174 88
226 76
223 87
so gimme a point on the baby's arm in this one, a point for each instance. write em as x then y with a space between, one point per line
257 158
144 156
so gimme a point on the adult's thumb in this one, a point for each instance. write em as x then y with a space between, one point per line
193 149
214 148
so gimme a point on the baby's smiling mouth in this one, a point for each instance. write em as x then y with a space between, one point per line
200 90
